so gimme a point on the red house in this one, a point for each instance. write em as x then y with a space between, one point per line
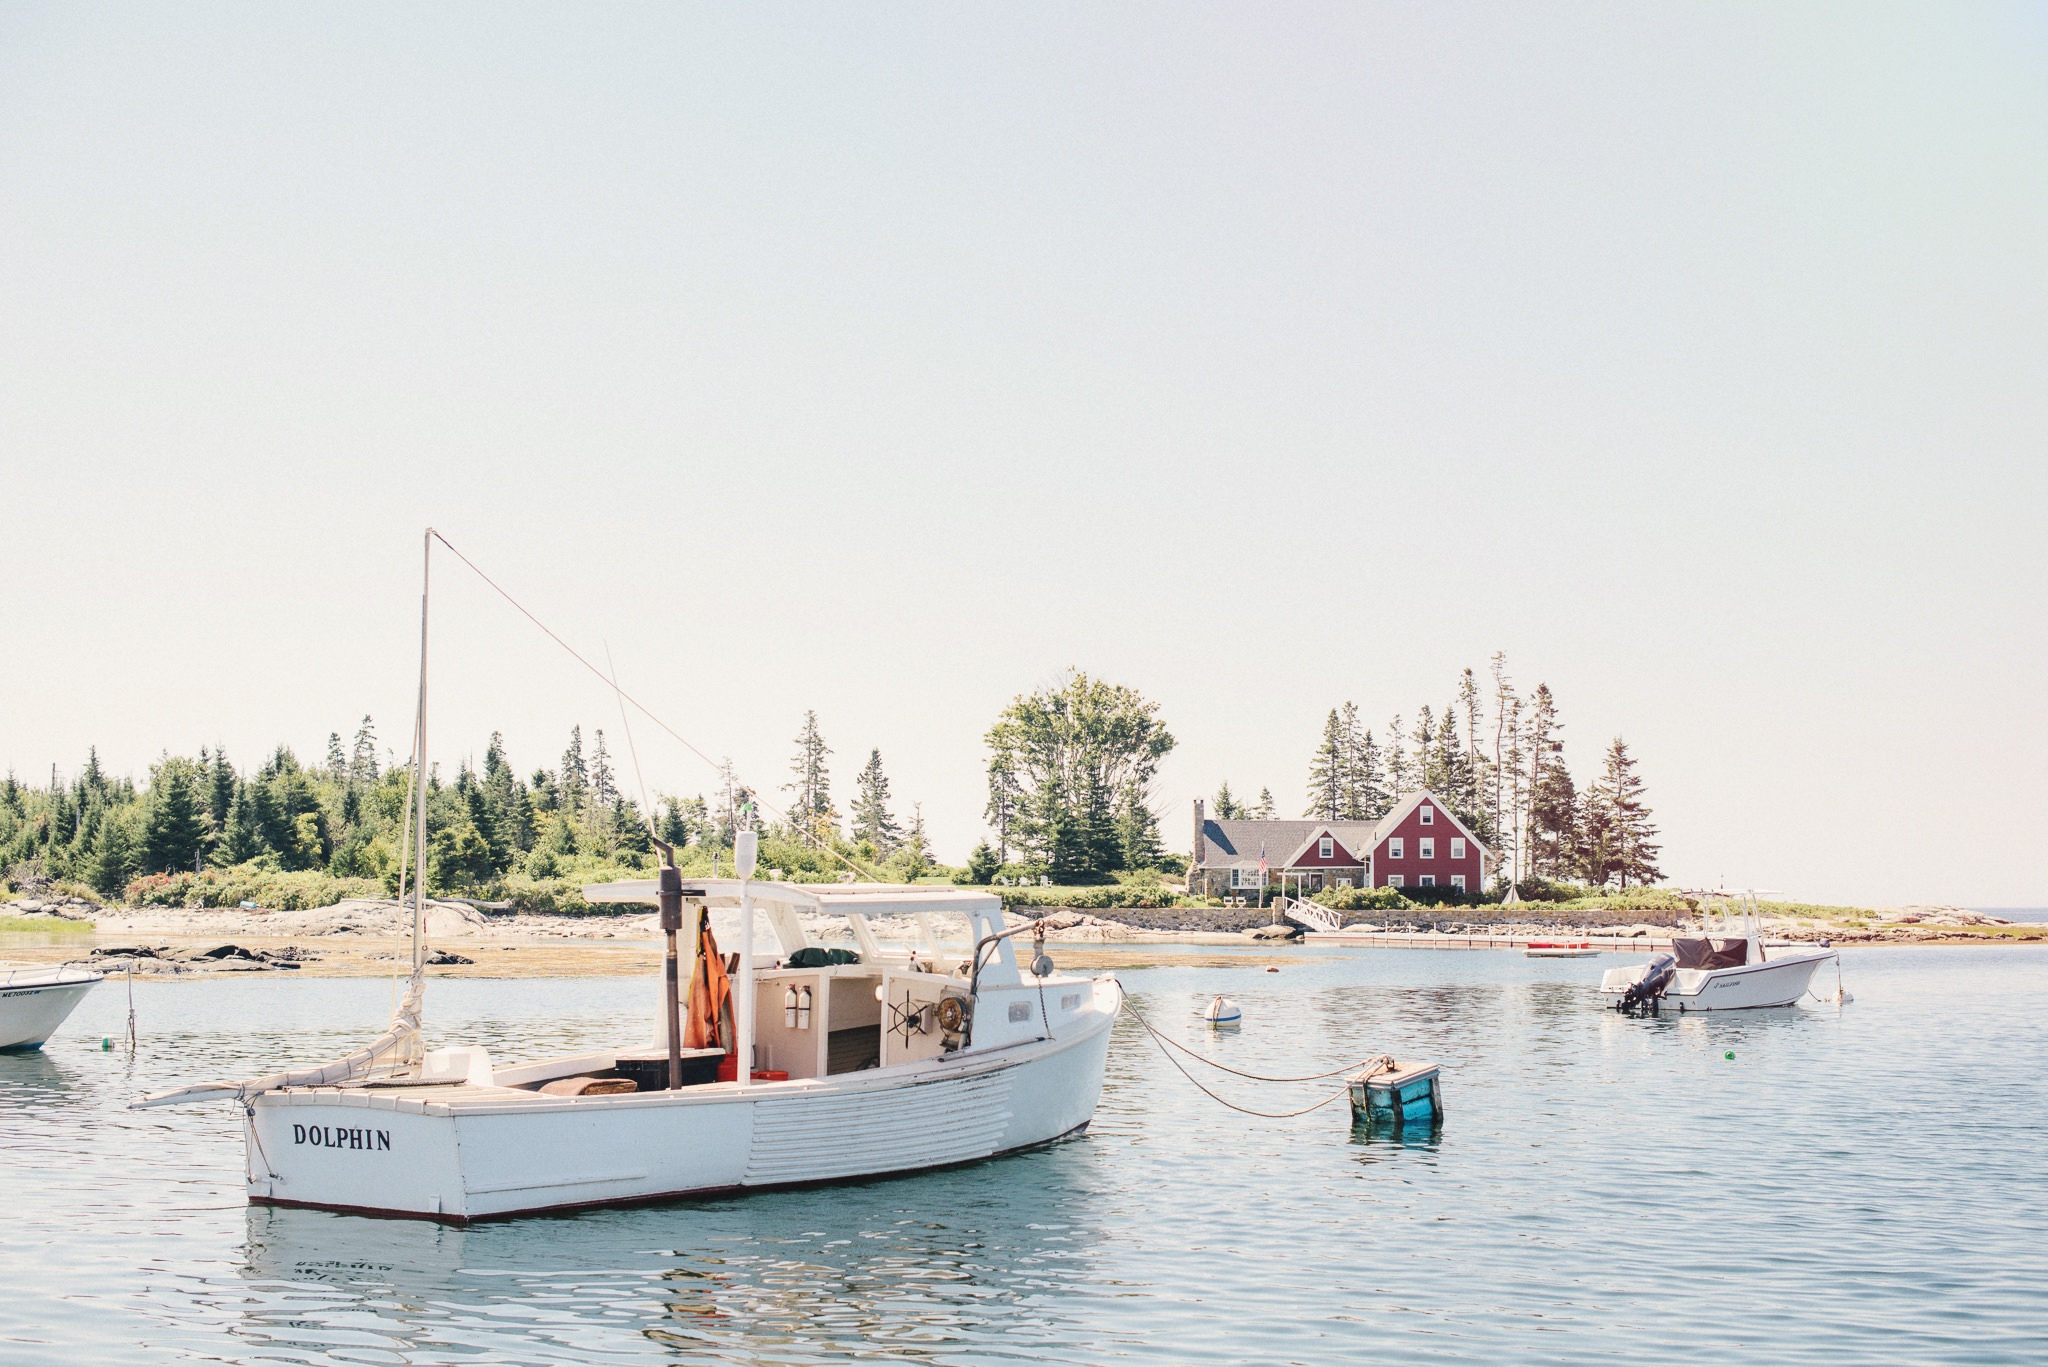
1420 844
1417 844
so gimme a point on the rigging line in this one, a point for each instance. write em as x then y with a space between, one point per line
1225 1101
624 696
646 807
1255 1077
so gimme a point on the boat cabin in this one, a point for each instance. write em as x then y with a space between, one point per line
870 996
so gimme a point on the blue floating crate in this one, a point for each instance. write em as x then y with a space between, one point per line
1409 1095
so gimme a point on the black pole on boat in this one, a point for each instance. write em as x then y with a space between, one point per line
671 903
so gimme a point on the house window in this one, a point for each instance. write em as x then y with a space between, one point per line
1457 847
1394 851
1324 847
1343 882
1458 881
1428 880
1395 880
1428 816
1246 878
1425 848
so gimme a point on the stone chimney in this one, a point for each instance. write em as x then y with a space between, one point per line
1201 855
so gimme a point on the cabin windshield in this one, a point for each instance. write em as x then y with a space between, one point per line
1705 953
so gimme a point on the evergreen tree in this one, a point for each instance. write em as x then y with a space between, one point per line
982 864
337 762
871 819
573 781
1263 812
1553 798
811 812
115 858
1326 774
604 784
220 787
1004 797
916 849
175 830
1634 834
1401 777
1137 830
1502 766
362 761
1427 771
1225 806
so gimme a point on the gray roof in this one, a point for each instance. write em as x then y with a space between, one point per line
1236 843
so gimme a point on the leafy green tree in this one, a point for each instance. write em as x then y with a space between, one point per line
174 833
1075 751
871 819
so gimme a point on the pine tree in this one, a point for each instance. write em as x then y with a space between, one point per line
1326 774
811 812
362 761
1400 776
1475 758
175 831
917 846
1553 798
1423 763
337 762
1004 795
604 784
1263 812
1362 782
114 857
1375 799
1137 831
220 787
1226 806
1634 834
573 782
1501 768
871 819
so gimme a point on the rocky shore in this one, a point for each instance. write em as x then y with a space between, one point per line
370 937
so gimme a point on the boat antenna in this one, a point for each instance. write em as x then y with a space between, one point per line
419 764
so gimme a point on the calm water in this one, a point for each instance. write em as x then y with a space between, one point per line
1854 1186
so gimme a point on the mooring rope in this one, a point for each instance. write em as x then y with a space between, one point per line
1381 1064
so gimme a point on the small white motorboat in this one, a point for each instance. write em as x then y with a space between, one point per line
1715 972
34 1001
1222 1012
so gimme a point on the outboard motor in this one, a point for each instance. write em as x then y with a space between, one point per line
1641 997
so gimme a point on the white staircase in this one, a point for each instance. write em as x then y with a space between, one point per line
1303 912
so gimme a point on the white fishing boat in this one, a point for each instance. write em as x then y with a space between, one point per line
35 1000
1716 971
866 1058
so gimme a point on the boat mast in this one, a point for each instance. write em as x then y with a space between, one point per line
419 766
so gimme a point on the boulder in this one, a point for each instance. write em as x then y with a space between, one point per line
1279 932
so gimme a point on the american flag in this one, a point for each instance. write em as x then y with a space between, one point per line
1262 861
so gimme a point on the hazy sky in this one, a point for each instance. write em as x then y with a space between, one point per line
889 360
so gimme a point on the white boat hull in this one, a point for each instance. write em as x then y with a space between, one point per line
33 1003
1779 981
452 1154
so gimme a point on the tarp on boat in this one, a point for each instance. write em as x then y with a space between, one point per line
1705 953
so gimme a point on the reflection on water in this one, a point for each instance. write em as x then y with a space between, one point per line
1599 1188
